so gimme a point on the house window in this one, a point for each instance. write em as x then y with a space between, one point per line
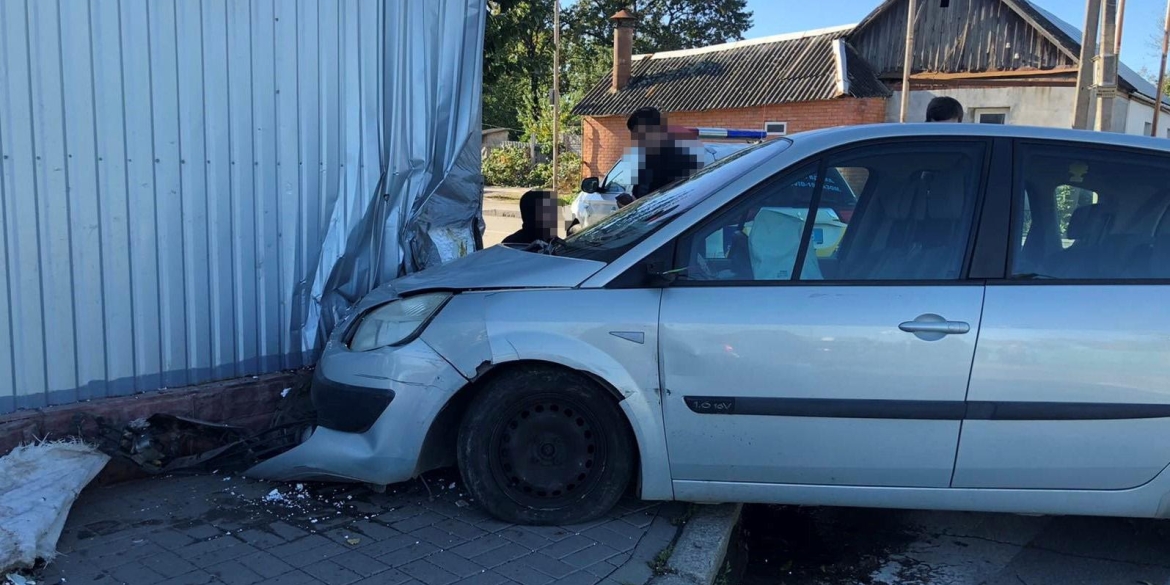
776 128
991 115
1149 129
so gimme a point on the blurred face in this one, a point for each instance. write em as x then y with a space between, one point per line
648 137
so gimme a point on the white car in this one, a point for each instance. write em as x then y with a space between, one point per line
598 199
950 352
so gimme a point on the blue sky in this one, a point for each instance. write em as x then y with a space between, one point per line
1143 21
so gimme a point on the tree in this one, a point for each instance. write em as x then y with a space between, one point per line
518 55
1152 77
663 25
518 49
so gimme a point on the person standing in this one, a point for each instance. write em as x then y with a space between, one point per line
944 109
663 162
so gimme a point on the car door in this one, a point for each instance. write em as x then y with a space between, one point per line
848 367
1071 383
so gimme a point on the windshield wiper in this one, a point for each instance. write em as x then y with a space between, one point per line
543 247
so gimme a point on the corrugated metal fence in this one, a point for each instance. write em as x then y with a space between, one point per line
169 169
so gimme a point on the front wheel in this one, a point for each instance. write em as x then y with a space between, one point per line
545 446
573 228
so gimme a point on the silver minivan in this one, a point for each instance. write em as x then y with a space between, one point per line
990 331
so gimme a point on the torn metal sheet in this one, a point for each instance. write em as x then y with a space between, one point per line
38 484
427 207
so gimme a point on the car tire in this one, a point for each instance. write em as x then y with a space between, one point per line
573 228
545 446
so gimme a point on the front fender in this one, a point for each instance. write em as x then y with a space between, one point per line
609 334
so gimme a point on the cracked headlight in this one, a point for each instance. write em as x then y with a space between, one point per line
396 322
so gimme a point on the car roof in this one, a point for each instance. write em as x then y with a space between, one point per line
846 134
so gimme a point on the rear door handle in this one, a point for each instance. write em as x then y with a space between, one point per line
936 327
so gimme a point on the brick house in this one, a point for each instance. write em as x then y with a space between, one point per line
1006 61
783 84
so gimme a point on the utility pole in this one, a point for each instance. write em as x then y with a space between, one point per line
1159 90
1120 28
909 62
1107 88
556 93
1085 72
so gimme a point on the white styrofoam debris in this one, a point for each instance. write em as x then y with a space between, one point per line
38 485
284 393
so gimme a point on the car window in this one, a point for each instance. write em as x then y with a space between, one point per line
621 176
913 217
616 234
912 221
758 239
1089 213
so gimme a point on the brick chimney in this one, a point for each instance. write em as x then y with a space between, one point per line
623 47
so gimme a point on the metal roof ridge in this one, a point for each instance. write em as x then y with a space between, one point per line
747 42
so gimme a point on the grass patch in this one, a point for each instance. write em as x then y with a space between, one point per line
724 577
661 560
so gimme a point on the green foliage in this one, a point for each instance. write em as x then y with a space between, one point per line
518 49
1068 199
660 564
507 166
518 55
510 166
663 25
568 175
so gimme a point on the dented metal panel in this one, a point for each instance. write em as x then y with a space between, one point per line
168 173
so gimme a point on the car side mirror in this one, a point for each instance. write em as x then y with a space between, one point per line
590 185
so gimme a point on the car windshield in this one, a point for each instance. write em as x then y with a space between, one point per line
621 176
609 239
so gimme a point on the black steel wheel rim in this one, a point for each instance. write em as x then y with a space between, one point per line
547 451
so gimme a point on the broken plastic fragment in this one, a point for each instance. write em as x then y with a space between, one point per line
284 393
461 504
353 541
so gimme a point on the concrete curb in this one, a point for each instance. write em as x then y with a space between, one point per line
699 552
516 213
501 213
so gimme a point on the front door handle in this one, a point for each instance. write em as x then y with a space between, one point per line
943 327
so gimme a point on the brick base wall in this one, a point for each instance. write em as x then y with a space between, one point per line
246 402
605 138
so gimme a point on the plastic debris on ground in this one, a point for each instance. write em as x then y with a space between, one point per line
38 485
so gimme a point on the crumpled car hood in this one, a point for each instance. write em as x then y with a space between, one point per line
495 268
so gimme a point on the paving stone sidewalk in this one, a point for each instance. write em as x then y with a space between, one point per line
214 529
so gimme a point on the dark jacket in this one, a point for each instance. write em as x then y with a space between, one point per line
538 213
669 164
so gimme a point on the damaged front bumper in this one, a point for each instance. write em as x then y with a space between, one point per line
375 409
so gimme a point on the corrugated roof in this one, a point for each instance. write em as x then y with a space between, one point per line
1070 37
773 70
1063 34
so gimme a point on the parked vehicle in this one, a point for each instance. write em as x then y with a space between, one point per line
598 199
991 334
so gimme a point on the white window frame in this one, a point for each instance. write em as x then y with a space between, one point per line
976 113
781 133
